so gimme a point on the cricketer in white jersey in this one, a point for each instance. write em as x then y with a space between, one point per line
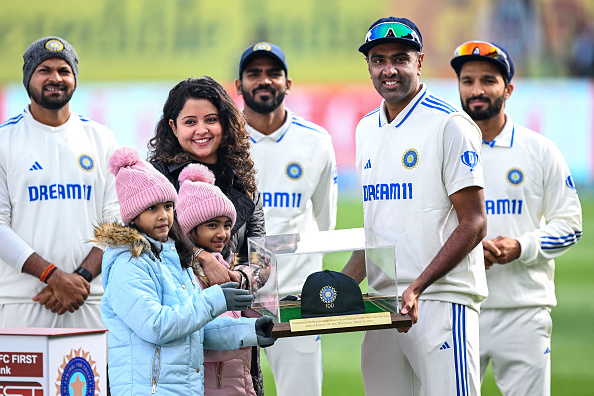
408 168
54 186
530 196
297 177
533 216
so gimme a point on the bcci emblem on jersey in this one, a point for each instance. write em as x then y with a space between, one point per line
294 170
86 162
515 177
410 158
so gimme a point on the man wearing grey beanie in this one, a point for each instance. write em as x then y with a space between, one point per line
54 185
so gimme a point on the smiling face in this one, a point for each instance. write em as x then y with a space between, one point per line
482 90
198 130
156 221
263 84
213 235
52 84
394 69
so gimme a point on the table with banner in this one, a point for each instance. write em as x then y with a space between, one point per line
48 361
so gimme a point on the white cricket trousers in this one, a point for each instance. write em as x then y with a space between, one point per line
518 343
296 364
439 356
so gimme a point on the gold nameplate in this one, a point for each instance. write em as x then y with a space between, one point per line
331 322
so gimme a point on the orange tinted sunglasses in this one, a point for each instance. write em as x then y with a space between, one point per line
482 48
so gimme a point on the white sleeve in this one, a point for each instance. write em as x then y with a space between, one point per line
325 196
13 249
562 213
462 163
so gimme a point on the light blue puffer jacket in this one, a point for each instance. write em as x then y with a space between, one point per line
158 319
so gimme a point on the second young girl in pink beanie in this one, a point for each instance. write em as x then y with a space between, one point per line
207 216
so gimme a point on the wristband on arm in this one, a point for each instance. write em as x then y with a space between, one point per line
47 273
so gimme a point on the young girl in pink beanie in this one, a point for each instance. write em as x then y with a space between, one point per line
159 319
207 216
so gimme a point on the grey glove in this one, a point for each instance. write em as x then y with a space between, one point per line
236 299
264 327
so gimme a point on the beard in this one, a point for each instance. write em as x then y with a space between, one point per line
52 101
267 106
493 108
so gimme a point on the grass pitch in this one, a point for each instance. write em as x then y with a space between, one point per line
573 321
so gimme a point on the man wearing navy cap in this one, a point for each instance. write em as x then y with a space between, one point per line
418 160
296 176
533 214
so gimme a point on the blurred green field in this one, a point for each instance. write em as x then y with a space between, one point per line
573 321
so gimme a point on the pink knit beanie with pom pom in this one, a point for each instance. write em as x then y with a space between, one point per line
138 184
199 199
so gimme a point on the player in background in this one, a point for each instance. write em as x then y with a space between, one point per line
54 185
533 215
296 175
418 160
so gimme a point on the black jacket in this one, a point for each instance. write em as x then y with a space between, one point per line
250 214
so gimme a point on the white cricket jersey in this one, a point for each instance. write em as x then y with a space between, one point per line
296 175
408 168
55 185
530 196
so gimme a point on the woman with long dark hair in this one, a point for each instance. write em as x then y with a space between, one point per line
202 124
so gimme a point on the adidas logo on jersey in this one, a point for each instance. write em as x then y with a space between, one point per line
35 166
548 350
367 164
444 346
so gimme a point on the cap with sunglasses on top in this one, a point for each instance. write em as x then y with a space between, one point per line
392 30
483 51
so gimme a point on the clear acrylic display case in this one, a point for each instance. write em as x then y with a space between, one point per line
380 296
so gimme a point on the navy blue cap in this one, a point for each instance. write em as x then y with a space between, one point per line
263 49
476 51
330 293
387 33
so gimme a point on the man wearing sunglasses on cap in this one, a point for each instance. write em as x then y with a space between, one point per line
418 160
533 215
